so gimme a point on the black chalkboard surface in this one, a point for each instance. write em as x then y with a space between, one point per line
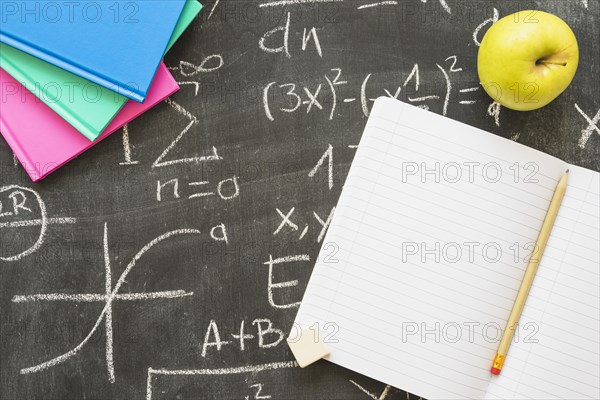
141 269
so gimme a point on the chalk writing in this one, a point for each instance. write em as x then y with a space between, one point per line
160 162
592 127
378 4
293 2
127 147
249 369
210 63
258 393
266 334
287 223
20 200
491 20
271 286
494 112
395 3
214 7
227 189
110 295
324 223
290 97
285 42
382 396
328 155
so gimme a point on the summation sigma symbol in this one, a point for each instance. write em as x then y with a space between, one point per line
110 295
21 202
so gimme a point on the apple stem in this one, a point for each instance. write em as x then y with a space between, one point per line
546 62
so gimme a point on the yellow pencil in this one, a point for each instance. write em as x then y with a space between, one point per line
530 272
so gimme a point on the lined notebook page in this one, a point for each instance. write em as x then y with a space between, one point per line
559 355
366 293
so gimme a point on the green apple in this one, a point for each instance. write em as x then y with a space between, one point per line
527 59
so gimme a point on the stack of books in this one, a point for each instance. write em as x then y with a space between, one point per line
72 73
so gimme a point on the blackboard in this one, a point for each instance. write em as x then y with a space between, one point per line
184 208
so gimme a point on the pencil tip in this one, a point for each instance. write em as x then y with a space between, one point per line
567 171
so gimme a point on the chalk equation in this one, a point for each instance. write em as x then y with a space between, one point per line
226 189
266 334
165 159
287 224
23 207
291 97
111 295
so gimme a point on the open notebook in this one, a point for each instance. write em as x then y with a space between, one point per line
419 269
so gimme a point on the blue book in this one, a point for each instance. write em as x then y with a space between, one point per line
116 44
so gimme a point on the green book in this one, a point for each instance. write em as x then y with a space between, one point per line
88 107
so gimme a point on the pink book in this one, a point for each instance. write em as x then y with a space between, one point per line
43 141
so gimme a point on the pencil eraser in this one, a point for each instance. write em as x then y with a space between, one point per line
495 371
308 347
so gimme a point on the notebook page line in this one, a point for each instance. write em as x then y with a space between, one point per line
566 335
513 277
341 276
511 289
393 189
536 154
455 188
549 186
442 242
551 310
456 156
354 269
510 299
544 191
460 214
